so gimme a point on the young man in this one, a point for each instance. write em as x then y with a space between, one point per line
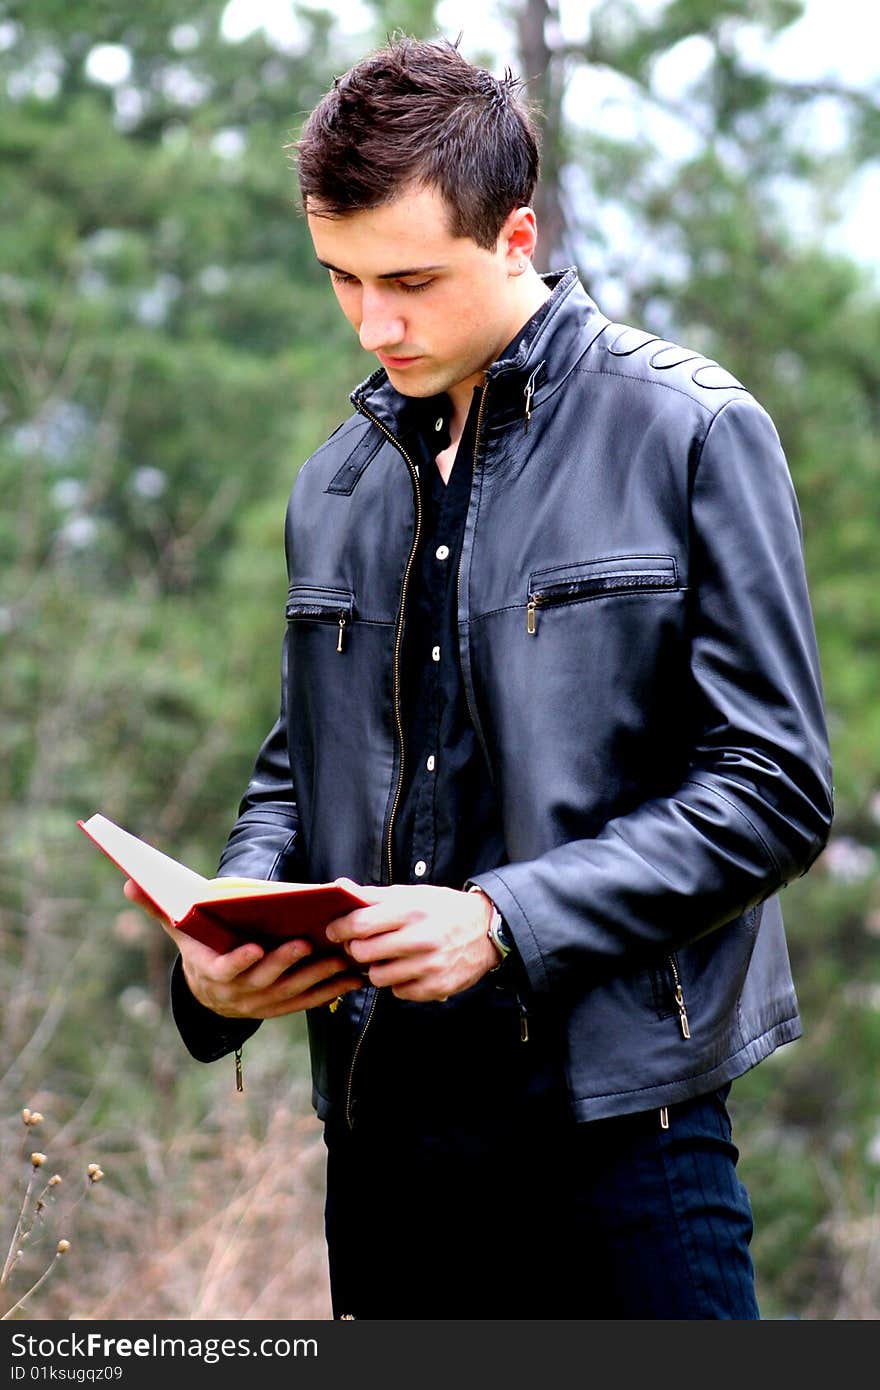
551 696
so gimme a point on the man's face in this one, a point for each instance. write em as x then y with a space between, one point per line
436 309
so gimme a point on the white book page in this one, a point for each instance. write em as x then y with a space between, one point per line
172 886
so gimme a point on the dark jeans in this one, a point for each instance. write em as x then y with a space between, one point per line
501 1206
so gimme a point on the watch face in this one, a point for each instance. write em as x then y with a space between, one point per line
501 935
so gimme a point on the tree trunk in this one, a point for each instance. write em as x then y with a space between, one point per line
541 69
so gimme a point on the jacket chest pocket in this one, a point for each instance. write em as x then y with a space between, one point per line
591 579
334 607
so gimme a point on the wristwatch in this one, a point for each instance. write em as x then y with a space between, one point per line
497 930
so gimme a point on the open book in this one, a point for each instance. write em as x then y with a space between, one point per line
222 912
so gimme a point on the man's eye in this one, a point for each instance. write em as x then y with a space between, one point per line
408 286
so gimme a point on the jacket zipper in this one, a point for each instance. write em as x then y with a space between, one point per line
323 613
399 722
678 995
584 585
467 694
679 1001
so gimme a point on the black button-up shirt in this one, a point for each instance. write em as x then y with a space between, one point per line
460 1063
454 1070
448 823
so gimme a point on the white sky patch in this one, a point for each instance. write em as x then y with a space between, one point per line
184 38
78 533
149 482
229 143
282 25
822 126
213 279
180 84
482 29
68 492
46 85
108 64
833 40
676 70
856 234
129 104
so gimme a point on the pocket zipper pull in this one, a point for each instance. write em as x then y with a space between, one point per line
682 1013
523 1021
532 617
529 392
339 640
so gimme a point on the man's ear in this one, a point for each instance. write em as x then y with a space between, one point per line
517 239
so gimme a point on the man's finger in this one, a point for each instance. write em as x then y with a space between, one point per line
274 964
364 922
400 943
324 992
137 896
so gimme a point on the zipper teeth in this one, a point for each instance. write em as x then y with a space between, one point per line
354 1057
646 579
399 634
471 711
326 615
396 700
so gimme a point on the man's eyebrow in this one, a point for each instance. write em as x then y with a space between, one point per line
386 274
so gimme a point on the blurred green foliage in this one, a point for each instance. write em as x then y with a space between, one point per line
170 353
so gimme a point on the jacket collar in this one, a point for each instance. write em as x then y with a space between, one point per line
545 353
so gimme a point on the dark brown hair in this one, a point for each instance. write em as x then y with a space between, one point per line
416 112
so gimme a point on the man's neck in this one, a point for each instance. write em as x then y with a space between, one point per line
446 458
532 293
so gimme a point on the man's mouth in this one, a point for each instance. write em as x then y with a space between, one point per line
397 363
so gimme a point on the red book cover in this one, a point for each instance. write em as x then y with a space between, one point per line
222 912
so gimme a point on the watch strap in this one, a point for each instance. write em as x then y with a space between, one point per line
497 930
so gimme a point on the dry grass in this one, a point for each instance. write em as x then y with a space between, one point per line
217 1224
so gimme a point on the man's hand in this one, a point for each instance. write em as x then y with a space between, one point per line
420 941
249 982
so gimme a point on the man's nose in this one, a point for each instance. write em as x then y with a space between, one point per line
381 326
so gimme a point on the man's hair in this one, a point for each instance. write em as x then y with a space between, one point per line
416 113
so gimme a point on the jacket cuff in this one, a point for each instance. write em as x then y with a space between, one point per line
513 960
526 950
206 1035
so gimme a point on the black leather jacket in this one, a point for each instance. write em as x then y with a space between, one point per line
639 658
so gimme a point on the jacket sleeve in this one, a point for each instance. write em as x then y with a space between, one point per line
263 843
755 804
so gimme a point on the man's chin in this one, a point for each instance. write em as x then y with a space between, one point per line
409 382
411 388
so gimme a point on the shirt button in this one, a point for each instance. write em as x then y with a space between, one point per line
435 653
438 423
430 764
442 552
420 869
